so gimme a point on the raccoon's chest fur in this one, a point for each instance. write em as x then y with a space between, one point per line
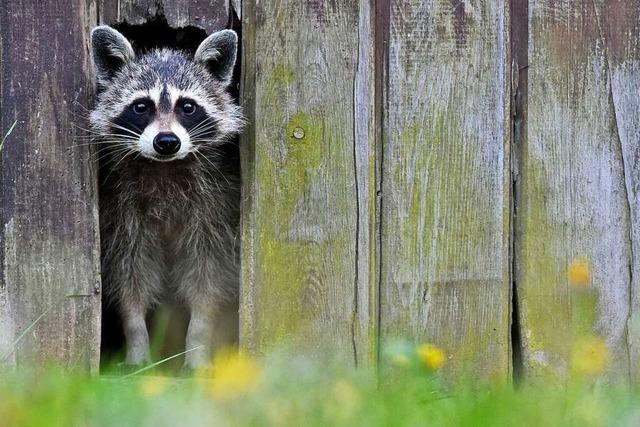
166 196
169 200
170 230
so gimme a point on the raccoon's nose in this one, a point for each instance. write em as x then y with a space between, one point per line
166 143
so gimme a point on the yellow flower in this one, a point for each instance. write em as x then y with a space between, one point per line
590 411
233 374
400 360
279 412
153 386
433 357
344 402
590 356
579 273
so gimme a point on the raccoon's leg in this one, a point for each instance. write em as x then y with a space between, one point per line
138 294
199 335
135 333
134 276
203 283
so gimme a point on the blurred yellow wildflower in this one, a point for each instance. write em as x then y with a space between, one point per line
590 411
279 412
233 373
590 356
431 356
400 359
345 401
153 386
579 273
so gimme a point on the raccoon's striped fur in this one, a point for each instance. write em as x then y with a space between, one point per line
168 200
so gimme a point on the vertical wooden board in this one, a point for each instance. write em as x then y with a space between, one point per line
49 260
210 15
446 192
309 170
621 27
579 185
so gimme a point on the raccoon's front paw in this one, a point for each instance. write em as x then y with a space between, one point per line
187 371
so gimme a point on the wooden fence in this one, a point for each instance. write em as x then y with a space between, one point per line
426 169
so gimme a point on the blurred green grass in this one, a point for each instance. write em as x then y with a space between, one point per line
293 390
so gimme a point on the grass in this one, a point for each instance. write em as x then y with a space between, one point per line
6 135
293 390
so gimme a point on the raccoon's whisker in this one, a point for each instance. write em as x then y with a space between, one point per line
99 155
114 167
110 138
208 129
203 132
113 147
78 104
210 150
203 141
204 136
206 121
85 115
206 170
96 134
215 167
93 134
117 126
220 140
108 142
77 142
212 145
102 155
75 125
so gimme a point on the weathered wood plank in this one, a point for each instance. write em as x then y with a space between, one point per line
579 179
621 27
309 174
446 192
49 259
210 15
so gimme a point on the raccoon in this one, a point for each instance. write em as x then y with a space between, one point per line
169 202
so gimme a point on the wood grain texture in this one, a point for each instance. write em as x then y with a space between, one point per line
446 193
621 31
210 15
580 180
49 259
309 174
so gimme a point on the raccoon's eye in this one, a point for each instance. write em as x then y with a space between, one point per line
188 107
140 107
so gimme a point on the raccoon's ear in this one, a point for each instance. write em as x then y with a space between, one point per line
218 53
111 51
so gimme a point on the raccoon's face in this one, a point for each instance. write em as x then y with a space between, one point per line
164 105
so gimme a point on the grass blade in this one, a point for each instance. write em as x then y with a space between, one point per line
153 365
7 134
15 343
